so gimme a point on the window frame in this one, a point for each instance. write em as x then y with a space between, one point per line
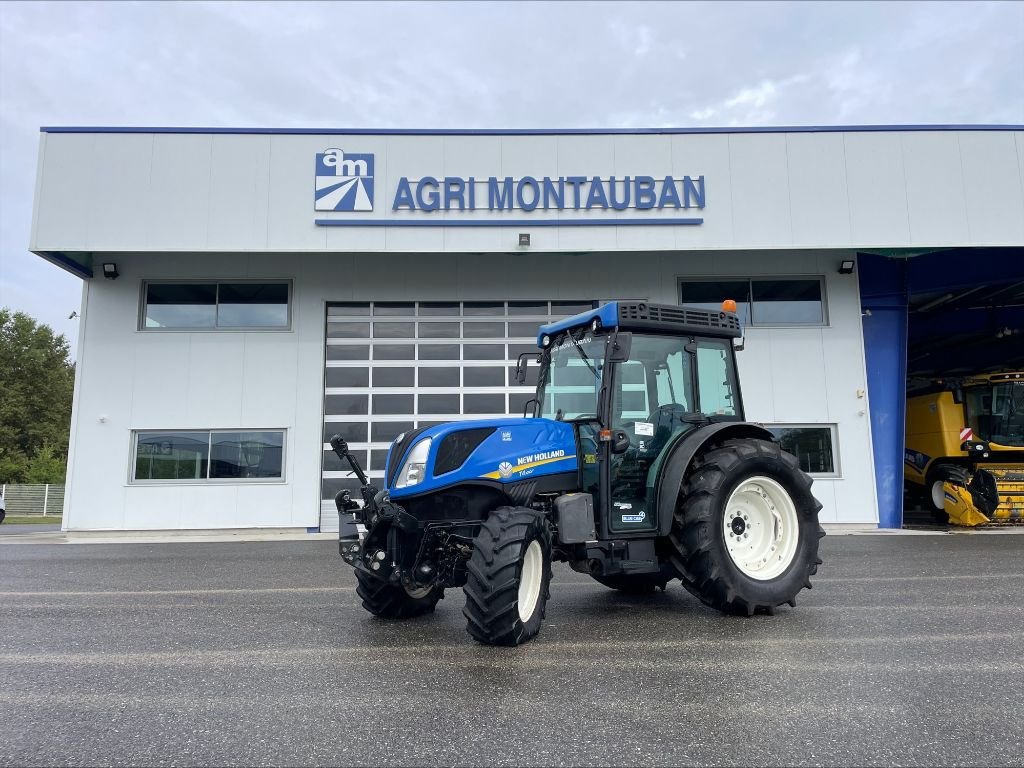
833 430
134 448
217 282
750 280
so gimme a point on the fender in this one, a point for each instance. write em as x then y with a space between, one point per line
680 456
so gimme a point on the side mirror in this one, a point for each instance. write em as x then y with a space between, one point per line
620 441
521 364
618 347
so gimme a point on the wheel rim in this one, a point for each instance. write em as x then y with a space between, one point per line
939 495
761 528
418 594
529 580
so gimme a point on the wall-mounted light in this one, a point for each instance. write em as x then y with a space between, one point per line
846 266
110 270
524 238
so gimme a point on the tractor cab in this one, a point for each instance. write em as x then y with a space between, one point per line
632 394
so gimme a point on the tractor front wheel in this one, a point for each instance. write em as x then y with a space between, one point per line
745 533
508 576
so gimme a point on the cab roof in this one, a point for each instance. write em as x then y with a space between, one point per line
643 316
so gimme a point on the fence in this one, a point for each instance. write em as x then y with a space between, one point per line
26 499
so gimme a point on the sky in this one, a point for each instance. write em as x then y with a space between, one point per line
478 65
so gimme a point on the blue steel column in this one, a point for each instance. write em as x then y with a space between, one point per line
884 308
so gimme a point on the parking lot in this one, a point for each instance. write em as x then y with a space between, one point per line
907 651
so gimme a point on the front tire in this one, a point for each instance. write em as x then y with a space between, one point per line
508 577
395 602
745 533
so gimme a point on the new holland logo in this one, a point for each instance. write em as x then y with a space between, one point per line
504 469
344 182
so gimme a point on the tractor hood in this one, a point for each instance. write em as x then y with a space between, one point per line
484 451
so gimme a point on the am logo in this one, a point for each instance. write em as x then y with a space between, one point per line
344 182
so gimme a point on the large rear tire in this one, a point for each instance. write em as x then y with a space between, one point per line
395 602
508 577
745 533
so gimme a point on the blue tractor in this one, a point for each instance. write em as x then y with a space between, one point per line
635 466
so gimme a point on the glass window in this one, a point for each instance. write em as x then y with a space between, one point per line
813 446
394 351
439 377
484 330
203 455
346 405
709 295
483 308
439 403
523 330
378 459
388 404
246 454
394 330
484 403
439 308
180 305
347 377
485 351
517 401
337 330
352 431
252 305
348 309
483 377
171 455
387 431
393 377
439 330
528 308
560 309
348 351
393 308
439 351
787 302
714 375
216 305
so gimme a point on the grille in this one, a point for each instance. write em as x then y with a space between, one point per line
642 314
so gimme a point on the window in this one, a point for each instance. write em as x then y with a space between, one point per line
761 301
813 446
217 306
201 455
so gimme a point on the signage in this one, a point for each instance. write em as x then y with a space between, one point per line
345 183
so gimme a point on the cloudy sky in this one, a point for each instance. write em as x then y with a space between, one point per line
470 65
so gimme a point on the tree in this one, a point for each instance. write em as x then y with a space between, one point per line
37 380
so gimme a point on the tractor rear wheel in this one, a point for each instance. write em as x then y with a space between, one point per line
745 532
395 602
508 576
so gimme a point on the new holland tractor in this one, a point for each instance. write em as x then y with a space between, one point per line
633 464
964 453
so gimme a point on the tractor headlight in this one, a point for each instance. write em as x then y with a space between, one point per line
415 467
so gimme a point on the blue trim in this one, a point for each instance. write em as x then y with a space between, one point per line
524 131
652 222
608 314
312 529
66 263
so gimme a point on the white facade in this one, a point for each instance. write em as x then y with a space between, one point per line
232 206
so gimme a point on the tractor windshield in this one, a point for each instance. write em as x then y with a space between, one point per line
996 413
569 384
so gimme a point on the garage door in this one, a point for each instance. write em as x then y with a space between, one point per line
394 366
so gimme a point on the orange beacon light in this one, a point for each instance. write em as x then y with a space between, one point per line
729 305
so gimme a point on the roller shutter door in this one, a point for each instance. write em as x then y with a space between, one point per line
393 366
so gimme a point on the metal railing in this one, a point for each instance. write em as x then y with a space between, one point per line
30 499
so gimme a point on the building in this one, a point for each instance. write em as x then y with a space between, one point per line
247 293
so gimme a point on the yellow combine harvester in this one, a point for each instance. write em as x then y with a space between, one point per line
965 448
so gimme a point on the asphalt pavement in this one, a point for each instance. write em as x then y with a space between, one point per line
907 651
